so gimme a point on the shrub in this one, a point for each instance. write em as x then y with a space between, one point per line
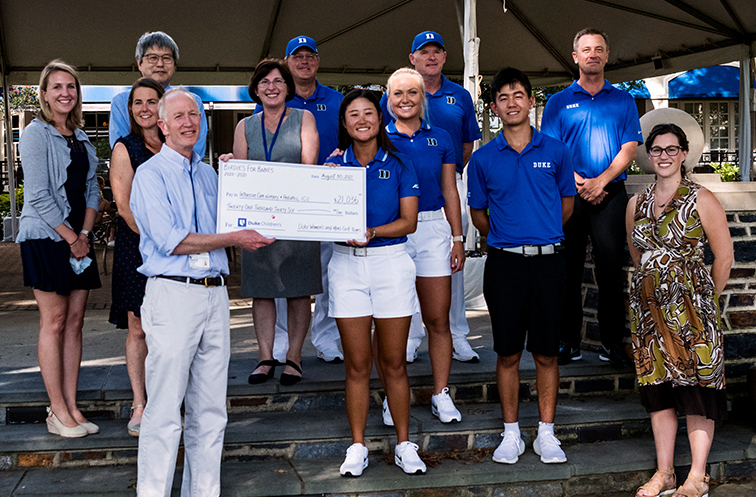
5 202
727 170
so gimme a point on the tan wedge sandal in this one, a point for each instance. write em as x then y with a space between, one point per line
697 482
656 487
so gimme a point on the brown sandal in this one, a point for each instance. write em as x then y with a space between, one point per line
697 482
656 484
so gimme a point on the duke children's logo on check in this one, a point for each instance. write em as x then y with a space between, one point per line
242 222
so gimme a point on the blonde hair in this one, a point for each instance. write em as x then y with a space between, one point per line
75 118
421 85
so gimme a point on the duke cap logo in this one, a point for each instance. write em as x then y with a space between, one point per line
300 41
426 37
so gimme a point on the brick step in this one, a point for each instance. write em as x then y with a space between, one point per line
105 391
325 433
607 468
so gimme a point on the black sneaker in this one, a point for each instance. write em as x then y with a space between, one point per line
617 357
568 352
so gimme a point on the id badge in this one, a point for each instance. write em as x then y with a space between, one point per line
199 261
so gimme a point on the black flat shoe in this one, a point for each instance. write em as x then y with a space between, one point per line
255 379
290 379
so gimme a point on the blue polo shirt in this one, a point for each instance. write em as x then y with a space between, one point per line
523 191
388 179
429 148
451 109
594 127
324 105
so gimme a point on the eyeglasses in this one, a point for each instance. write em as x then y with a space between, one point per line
671 151
308 57
266 83
152 59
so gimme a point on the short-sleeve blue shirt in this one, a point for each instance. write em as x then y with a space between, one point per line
324 105
120 126
523 191
389 178
429 148
451 109
594 127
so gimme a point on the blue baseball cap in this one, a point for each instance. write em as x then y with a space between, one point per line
426 37
299 42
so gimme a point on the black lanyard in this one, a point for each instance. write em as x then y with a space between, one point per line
269 152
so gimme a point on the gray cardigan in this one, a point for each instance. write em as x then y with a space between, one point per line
45 156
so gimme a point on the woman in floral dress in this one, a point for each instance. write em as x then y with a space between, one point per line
675 322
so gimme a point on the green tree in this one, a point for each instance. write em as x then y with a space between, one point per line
22 98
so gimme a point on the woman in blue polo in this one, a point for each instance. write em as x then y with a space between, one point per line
436 247
374 281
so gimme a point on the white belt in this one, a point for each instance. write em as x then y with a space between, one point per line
430 215
531 250
366 251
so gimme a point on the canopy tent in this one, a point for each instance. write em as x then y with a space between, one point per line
363 42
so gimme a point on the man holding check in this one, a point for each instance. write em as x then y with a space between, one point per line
185 313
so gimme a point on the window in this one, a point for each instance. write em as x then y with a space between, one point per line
718 120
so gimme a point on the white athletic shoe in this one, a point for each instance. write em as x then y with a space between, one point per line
510 449
412 345
442 406
405 456
356 460
387 419
332 355
463 352
547 445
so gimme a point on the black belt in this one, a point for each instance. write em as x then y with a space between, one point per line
206 281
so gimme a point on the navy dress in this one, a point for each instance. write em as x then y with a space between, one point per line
45 262
128 284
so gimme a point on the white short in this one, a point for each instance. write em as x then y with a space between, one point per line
430 248
379 285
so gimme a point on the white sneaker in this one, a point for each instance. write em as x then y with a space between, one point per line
547 445
387 419
412 345
510 449
442 406
332 355
463 352
405 456
356 460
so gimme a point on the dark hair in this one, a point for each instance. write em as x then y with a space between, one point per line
508 77
345 139
664 129
144 83
589 31
265 67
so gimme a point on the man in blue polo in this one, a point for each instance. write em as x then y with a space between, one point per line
600 125
450 108
303 60
156 55
521 192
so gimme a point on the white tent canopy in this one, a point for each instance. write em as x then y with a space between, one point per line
363 42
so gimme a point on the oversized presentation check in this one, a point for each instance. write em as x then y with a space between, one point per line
292 201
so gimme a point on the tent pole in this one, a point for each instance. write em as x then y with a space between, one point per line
9 152
744 130
471 80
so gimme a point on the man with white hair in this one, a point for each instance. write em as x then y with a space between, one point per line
185 313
